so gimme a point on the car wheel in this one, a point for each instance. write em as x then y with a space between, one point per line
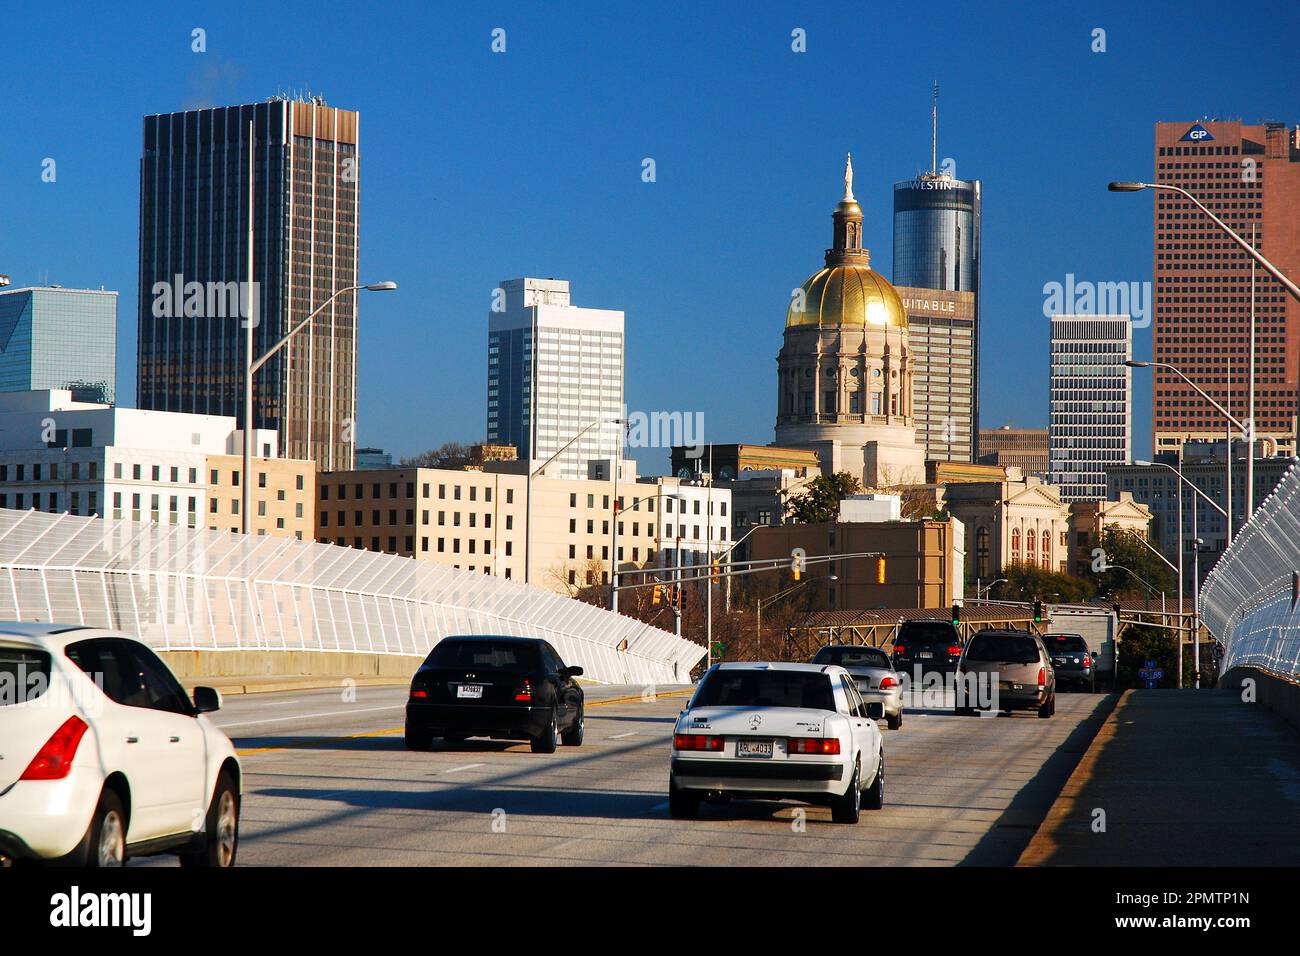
1047 707
895 722
682 804
221 832
573 736
873 798
107 844
546 743
848 808
417 739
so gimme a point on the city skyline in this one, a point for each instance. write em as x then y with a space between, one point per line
578 189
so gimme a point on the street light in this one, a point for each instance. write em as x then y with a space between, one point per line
251 367
1232 420
1196 585
534 472
1274 271
988 588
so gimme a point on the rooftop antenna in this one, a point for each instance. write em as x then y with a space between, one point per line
934 132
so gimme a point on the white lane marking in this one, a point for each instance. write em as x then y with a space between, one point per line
331 713
630 733
275 703
468 766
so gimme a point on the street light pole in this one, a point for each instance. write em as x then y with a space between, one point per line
1256 257
252 368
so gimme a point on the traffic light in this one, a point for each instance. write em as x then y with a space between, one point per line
1038 611
956 614
797 571
657 594
716 573
880 569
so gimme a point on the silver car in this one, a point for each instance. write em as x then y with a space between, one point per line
874 674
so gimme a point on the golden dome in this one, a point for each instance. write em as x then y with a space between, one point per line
846 295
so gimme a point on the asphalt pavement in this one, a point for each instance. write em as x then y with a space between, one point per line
328 782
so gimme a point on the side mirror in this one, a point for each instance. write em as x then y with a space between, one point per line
573 672
875 710
206 700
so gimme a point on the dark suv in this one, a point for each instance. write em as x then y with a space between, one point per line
1073 661
934 645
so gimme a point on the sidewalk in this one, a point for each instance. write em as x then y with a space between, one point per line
1184 778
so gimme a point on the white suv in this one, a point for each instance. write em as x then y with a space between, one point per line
103 755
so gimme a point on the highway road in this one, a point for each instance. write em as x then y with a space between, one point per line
328 782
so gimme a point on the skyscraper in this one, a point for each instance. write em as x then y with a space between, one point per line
1091 402
56 338
937 272
578 376
193 249
1248 176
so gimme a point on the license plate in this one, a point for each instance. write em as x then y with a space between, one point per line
1059 660
470 691
753 748
925 655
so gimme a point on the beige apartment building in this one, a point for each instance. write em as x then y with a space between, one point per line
282 500
475 521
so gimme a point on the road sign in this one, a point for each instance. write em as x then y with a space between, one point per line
1151 675
1150 665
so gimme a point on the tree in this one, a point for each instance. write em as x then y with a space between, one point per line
1027 582
448 454
821 501
1124 550
1141 644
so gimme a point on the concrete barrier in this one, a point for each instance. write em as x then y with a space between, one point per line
1278 694
194 666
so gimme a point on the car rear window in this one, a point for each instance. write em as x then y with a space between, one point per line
852 657
24 674
485 655
1003 648
754 688
926 632
1067 642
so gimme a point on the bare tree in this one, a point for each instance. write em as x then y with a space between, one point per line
449 454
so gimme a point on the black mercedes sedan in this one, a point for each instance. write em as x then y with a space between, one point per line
507 688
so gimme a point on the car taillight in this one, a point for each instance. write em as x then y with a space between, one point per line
419 692
524 692
1087 661
1042 677
813 745
888 682
54 760
696 742
900 649
954 649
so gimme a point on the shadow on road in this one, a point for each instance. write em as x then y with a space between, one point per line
1015 827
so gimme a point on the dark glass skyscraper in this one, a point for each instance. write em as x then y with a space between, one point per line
937 248
193 247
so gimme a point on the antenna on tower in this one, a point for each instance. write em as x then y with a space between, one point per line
934 132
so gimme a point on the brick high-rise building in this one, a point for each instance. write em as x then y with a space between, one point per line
1249 176
194 251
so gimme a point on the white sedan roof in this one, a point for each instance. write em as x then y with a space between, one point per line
51 637
780 666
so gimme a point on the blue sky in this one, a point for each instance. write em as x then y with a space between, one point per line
477 167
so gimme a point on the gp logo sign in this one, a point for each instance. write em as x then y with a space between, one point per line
1197 134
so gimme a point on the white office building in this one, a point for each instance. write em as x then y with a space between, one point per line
1091 425
59 455
576 383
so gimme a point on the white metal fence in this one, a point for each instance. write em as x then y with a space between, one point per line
1247 600
182 588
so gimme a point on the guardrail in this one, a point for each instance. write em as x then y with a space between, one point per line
1249 600
181 588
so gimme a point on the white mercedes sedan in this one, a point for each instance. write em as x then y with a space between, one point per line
778 731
